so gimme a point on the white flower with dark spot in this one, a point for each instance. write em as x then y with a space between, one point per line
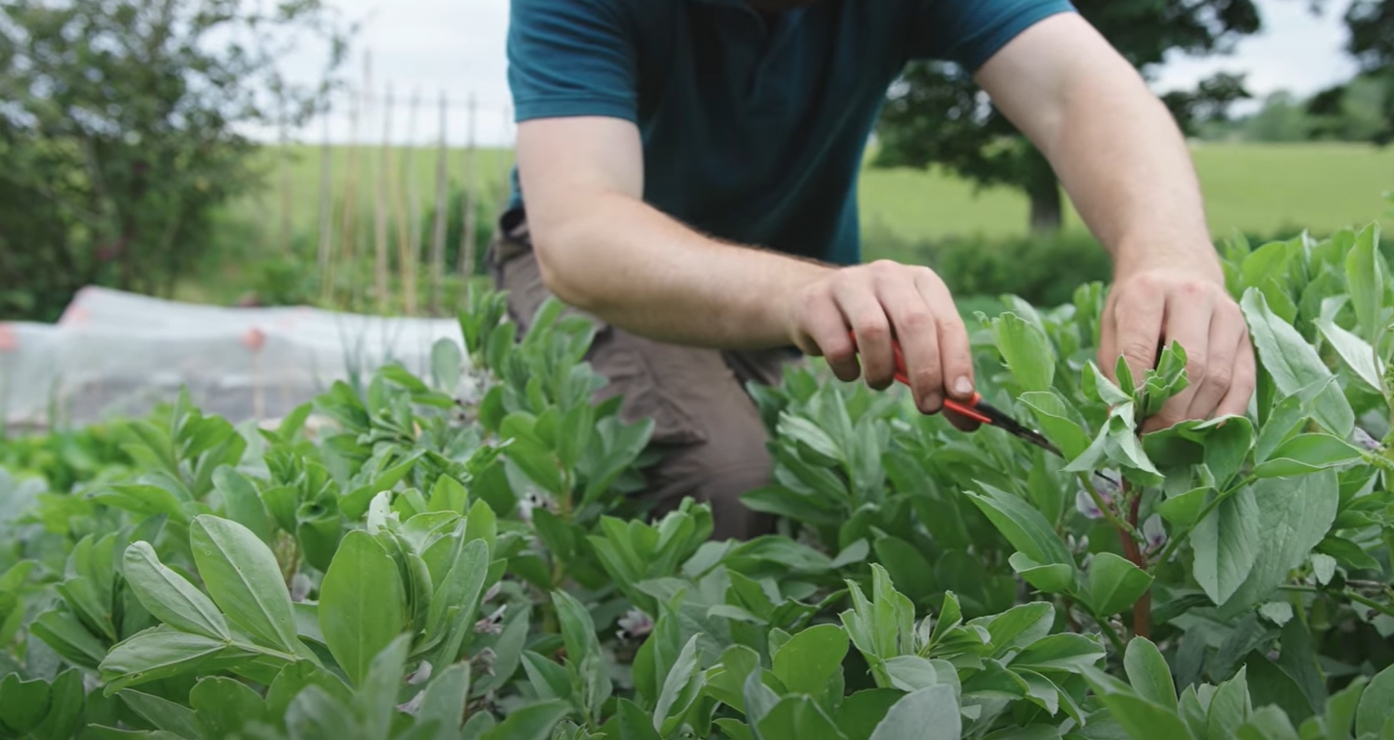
1084 504
413 707
1155 532
422 674
635 624
1363 440
492 624
300 586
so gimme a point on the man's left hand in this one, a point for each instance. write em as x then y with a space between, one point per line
1150 307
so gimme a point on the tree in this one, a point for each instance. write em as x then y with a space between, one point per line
1371 42
935 114
123 128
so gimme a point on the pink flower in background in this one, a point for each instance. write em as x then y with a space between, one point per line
254 339
9 342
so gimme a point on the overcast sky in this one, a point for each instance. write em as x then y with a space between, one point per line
457 47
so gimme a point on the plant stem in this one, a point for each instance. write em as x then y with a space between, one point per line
1107 512
1142 608
1345 593
1112 636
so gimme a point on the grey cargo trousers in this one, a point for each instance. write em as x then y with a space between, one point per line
706 425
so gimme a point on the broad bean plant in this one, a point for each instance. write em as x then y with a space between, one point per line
462 556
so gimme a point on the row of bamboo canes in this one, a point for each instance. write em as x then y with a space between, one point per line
396 205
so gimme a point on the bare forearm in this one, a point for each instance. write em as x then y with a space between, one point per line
1126 166
634 267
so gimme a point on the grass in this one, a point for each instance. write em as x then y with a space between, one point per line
1255 188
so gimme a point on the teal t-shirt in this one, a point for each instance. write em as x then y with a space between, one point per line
754 125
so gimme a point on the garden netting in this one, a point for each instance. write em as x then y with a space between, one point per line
117 354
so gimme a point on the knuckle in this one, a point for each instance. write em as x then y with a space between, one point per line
917 321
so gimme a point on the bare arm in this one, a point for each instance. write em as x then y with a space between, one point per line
1124 163
602 249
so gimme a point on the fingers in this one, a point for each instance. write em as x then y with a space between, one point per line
916 327
1189 313
1138 314
1241 388
1227 334
860 306
822 323
956 353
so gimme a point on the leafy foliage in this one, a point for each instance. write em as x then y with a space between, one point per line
459 557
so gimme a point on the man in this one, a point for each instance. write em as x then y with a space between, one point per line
686 176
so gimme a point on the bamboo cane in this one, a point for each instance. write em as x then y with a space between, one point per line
438 234
466 256
380 266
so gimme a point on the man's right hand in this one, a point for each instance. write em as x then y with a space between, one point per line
884 302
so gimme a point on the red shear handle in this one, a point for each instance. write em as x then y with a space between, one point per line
968 410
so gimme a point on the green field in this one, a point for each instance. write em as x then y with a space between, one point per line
1255 188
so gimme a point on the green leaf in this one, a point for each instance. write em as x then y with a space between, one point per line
1022 525
446 362
315 714
162 652
242 502
65 634
1140 718
1054 417
162 713
376 699
927 714
912 672
726 680
1357 353
1294 514
169 596
224 706
549 679
1097 385
362 604
1052 579
635 723
243 578
1182 510
861 712
1375 704
1367 282
456 600
23 704
797 718
1305 454
1027 351
1063 652
1267 723
1226 544
531 722
1341 709
583 648
1149 673
1294 364
1115 584
811 658
676 682
1230 706
142 500
66 700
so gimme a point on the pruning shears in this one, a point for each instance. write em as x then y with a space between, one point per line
983 412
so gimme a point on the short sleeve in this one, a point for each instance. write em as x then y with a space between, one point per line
969 32
571 58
